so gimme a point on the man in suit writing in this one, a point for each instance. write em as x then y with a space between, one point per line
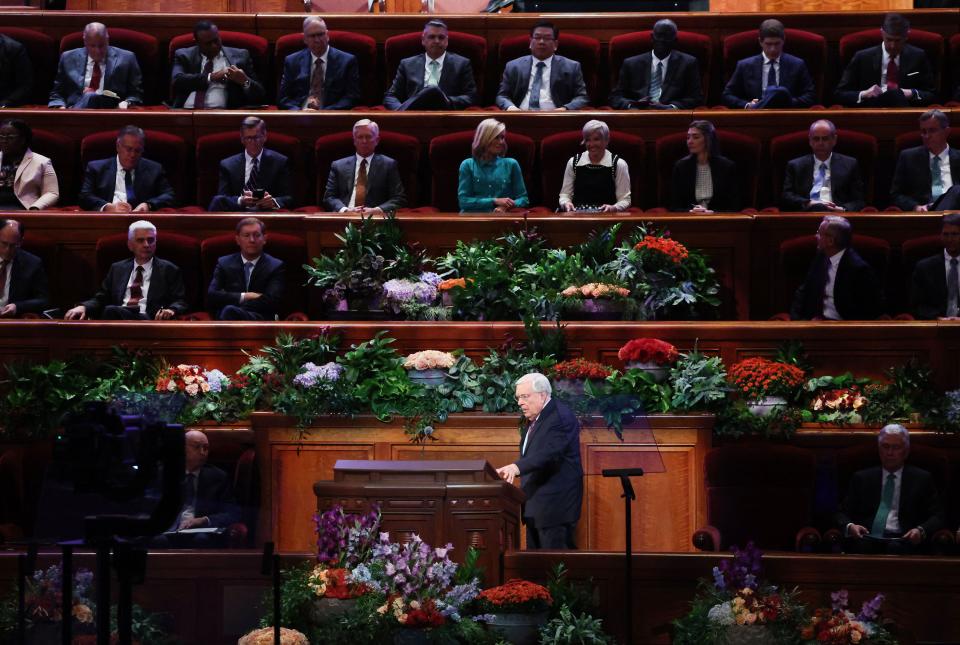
927 172
549 464
366 182
319 77
772 78
247 285
544 80
127 182
96 75
824 180
255 179
23 282
935 290
211 76
143 287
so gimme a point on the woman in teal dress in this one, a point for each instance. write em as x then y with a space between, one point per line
490 182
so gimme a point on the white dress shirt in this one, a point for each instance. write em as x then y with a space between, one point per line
144 289
216 95
621 179
829 305
120 184
546 100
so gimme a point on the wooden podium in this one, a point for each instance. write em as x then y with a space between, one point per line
461 502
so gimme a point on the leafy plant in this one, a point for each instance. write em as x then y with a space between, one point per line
735 420
36 396
296 599
699 383
461 389
571 629
577 597
910 393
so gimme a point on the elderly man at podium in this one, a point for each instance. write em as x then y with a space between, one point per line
549 464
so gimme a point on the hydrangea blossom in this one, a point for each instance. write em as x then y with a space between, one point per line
313 373
217 380
430 278
398 292
721 614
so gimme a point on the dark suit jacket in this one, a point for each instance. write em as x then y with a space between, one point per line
166 288
28 284
919 503
384 188
863 72
121 76
846 185
928 292
726 184
746 83
215 499
456 81
273 176
268 278
856 290
911 178
341 80
16 73
149 185
552 476
187 77
681 84
566 83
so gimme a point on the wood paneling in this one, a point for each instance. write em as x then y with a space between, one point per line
777 7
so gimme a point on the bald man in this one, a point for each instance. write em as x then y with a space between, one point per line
97 75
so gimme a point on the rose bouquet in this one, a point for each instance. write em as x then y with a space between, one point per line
648 350
429 359
190 380
580 368
595 290
516 597
841 405
837 625
758 377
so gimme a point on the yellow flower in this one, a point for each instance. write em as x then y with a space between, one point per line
741 619
83 613
382 609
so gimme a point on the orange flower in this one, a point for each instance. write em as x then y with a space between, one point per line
453 283
671 248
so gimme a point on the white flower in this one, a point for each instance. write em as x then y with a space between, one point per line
193 389
721 614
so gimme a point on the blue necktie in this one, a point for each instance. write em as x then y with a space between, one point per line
886 502
936 186
247 272
656 83
772 75
818 182
128 184
537 84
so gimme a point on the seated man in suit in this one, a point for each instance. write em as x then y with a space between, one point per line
434 80
365 182
143 287
893 74
772 78
544 80
247 285
825 180
23 282
319 77
927 172
16 73
257 179
840 284
211 76
664 79
934 291
96 75
127 183
893 500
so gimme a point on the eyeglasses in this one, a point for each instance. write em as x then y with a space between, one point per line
545 39
524 397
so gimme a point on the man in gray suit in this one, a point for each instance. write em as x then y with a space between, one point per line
543 81
96 75
434 80
211 76
365 182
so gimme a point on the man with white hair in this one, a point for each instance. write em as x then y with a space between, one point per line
893 500
366 182
97 75
549 464
319 77
143 287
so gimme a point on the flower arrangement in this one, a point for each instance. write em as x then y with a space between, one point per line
264 636
188 379
581 368
648 350
429 359
758 377
333 583
312 374
452 283
398 292
673 250
516 597
44 601
595 290
837 625
346 539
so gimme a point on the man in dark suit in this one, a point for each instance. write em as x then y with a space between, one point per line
664 79
893 500
434 80
255 179
23 282
96 75
935 289
16 73
128 182
926 172
544 80
549 465
143 287
893 74
771 79
840 284
825 180
247 285
364 182
211 76
319 77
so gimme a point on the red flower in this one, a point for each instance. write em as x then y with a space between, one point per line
580 368
647 350
758 376
515 594
671 248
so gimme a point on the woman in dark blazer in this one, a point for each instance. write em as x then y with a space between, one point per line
704 181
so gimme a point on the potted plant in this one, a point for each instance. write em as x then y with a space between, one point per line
598 300
837 625
344 540
765 384
572 629
265 636
651 355
518 609
400 293
569 376
428 367
835 399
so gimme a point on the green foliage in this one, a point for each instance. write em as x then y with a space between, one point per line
622 397
296 599
470 568
577 597
359 626
570 629
699 383
412 310
499 372
909 393
36 396
735 420
461 389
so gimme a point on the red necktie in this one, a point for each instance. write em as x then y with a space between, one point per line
199 99
893 75
95 77
136 289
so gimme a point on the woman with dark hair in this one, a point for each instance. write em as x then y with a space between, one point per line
704 181
489 181
27 179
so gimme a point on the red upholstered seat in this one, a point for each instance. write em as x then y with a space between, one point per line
360 45
404 148
859 145
557 149
145 47
289 248
42 51
952 89
169 150
214 148
396 48
583 49
761 492
743 149
182 250
447 152
623 46
929 41
807 45
62 151
912 139
258 47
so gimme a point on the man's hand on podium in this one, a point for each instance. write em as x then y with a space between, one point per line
509 472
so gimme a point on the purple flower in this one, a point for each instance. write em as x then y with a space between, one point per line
217 380
430 278
870 610
838 600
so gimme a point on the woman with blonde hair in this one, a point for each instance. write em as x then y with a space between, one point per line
598 180
488 180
